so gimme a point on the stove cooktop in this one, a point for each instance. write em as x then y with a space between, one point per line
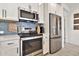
22 35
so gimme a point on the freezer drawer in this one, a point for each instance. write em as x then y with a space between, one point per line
55 45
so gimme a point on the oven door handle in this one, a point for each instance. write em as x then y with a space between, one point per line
30 38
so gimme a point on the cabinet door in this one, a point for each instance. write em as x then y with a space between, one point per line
11 10
24 6
59 9
1 10
9 48
41 13
34 7
9 51
45 44
52 8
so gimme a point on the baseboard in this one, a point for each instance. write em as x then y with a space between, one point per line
46 54
72 43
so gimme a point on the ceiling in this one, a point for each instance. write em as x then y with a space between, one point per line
72 5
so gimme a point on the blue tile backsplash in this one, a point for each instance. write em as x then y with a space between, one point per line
4 26
28 25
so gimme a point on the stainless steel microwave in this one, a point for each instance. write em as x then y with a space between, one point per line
29 15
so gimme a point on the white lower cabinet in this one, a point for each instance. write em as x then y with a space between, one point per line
9 48
45 44
8 51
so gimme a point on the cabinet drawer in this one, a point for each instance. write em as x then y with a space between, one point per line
9 43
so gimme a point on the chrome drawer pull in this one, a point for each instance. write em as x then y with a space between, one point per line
10 43
17 50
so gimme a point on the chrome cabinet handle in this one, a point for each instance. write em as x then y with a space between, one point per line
17 50
10 43
5 13
2 12
45 37
43 42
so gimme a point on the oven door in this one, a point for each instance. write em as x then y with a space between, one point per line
31 45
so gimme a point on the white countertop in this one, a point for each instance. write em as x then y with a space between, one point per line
9 37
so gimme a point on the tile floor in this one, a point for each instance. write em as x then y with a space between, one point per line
68 50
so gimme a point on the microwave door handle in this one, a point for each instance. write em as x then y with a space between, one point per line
35 15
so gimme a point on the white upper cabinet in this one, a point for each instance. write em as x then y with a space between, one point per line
1 10
59 9
31 7
52 8
9 11
55 8
24 6
41 13
34 7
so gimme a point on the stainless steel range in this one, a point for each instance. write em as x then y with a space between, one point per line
31 45
31 41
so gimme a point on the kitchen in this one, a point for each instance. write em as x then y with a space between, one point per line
24 28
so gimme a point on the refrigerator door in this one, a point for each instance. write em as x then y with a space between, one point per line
55 32
54 25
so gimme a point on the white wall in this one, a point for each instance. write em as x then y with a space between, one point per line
67 21
73 34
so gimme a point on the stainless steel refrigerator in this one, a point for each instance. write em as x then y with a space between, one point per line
55 33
